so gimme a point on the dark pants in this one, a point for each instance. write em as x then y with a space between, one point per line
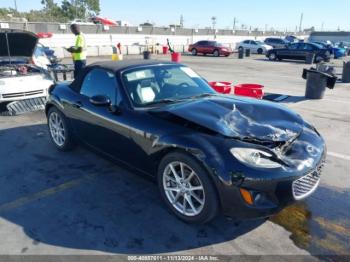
78 66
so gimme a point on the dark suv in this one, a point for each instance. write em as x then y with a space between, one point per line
276 42
209 47
299 51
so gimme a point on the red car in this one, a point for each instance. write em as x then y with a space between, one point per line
209 47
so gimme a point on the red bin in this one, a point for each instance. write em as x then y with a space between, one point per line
251 90
176 57
221 87
165 50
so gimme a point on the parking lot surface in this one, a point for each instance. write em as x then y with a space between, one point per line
79 203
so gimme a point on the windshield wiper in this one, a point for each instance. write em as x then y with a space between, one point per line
200 95
161 101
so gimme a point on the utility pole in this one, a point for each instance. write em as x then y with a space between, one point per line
234 23
322 26
16 5
301 22
213 21
182 21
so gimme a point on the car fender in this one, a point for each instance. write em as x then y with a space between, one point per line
203 150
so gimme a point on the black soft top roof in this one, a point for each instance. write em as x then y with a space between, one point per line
115 67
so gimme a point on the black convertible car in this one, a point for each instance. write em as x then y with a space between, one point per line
300 51
208 152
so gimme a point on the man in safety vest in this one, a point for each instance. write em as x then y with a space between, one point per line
78 50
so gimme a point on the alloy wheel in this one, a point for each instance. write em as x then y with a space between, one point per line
57 130
183 189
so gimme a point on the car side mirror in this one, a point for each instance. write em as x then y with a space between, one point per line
100 100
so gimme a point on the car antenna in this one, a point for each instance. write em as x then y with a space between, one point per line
8 47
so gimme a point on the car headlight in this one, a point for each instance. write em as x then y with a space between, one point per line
254 157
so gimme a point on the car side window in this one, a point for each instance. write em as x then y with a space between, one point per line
308 47
294 46
100 82
246 42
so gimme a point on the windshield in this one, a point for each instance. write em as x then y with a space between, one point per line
163 84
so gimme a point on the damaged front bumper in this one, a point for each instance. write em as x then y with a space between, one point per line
250 193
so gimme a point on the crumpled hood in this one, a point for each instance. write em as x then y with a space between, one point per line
241 118
18 43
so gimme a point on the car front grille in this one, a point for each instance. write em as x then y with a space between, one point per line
306 185
23 94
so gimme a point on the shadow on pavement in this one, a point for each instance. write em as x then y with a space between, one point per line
80 201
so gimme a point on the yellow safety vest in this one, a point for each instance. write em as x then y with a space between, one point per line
80 42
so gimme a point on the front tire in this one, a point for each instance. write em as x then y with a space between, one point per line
59 130
272 56
260 51
186 188
216 53
194 52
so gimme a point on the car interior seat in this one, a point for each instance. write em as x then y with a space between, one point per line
147 91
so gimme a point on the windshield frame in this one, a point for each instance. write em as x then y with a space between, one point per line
141 67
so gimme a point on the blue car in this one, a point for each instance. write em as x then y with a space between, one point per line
338 52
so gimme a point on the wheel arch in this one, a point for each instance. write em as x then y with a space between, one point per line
198 156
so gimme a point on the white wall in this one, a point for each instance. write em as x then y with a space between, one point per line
101 44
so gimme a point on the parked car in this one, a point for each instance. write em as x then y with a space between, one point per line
276 42
299 51
103 21
20 78
345 45
209 47
254 46
337 52
81 22
292 39
208 152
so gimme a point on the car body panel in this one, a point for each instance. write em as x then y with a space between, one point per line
34 81
140 137
276 42
254 46
300 51
209 47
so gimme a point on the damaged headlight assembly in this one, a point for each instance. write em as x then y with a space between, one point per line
254 157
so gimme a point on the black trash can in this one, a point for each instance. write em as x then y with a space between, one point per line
346 72
247 52
316 84
146 55
310 58
240 53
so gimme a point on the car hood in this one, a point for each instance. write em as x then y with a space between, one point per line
240 118
17 43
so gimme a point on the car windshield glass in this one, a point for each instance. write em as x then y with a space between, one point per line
218 44
259 42
159 85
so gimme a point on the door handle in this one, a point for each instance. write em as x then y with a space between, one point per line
77 104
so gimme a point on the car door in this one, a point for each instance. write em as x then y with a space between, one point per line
202 45
253 46
99 126
290 52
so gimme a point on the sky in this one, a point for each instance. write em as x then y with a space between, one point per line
279 14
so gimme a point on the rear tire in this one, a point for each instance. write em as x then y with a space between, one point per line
189 193
59 129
